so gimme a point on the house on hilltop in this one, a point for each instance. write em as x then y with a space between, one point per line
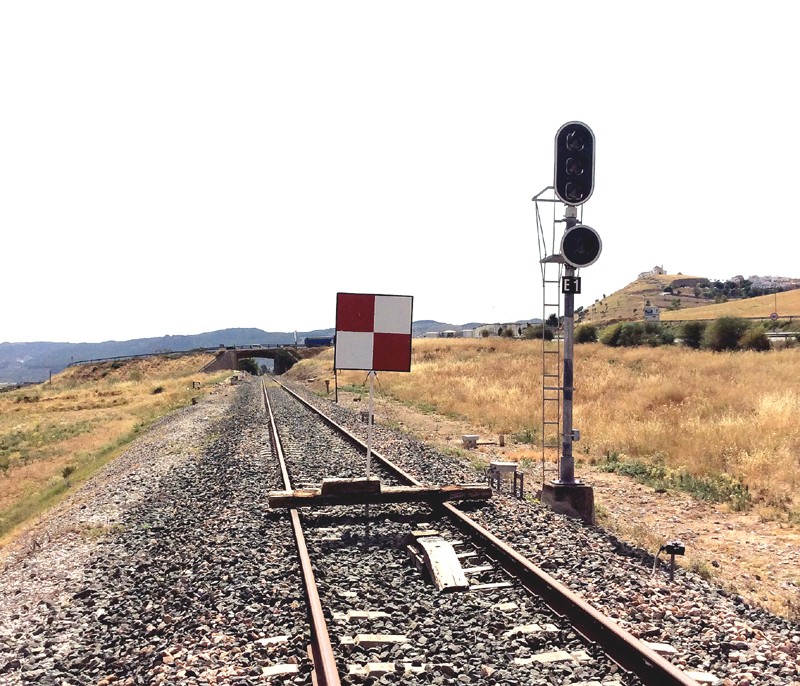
655 271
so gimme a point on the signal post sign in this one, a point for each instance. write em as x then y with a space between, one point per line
373 332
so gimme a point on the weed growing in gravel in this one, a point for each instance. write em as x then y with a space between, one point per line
527 435
96 532
701 567
719 488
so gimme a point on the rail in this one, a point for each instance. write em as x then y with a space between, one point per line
621 646
321 649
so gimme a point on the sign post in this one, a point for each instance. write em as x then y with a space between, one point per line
373 334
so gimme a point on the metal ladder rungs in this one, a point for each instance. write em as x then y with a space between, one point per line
551 422
551 352
552 304
551 446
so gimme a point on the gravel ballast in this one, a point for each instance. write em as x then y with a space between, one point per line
168 567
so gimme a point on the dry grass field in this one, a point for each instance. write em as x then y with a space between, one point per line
705 414
786 304
52 437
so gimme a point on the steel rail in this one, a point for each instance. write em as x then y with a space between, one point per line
621 646
324 661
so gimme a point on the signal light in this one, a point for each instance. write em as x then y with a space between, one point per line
581 246
574 172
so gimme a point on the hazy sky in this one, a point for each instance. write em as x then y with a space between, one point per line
180 167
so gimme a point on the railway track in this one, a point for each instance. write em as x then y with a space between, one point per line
513 624
170 567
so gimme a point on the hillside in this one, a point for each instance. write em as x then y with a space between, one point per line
786 304
34 361
56 435
628 303
24 362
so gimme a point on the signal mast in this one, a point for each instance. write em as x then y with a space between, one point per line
579 246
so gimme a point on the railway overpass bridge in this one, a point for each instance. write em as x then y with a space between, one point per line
229 358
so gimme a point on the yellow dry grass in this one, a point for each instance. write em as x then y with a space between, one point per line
86 409
786 304
711 413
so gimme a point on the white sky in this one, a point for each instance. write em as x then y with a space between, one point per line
180 167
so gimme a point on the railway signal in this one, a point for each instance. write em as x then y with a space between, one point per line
574 170
581 246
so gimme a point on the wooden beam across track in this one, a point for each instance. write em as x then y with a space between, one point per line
322 497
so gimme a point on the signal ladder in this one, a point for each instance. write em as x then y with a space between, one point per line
552 386
552 266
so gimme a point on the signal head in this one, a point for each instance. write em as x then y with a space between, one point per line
574 172
581 246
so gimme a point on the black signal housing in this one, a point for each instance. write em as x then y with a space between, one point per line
574 172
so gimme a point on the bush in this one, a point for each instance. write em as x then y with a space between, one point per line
725 334
509 332
692 334
248 364
537 332
157 390
485 333
632 334
586 333
611 334
754 339
284 360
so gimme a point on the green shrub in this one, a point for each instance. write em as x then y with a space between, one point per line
692 334
586 333
248 364
632 334
284 360
719 488
754 339
725 334
67 471
485 333
509 332
536 331
611 335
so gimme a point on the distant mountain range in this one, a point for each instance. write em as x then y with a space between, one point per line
21 362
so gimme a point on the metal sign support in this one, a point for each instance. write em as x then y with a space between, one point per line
567 463
369 419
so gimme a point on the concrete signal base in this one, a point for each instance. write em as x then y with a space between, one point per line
574 500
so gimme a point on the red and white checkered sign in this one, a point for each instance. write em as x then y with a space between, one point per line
373 332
